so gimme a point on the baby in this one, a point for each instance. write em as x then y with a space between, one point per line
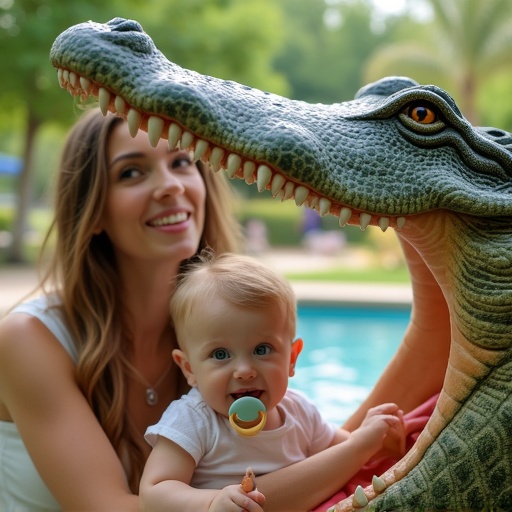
235 322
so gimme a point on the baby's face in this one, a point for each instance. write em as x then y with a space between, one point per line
233 352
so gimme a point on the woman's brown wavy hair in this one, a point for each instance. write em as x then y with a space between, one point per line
82 270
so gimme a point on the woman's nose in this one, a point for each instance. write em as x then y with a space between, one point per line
167 184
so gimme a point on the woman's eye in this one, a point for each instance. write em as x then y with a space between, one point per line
220 354
129 173
181 162
262 350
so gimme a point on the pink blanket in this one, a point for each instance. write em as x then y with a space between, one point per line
414 421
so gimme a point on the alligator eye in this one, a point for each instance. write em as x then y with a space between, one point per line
422 118
422 114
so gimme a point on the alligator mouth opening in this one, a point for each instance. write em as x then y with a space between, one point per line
267 178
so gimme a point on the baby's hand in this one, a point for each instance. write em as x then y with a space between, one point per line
394 442
384 429
233 498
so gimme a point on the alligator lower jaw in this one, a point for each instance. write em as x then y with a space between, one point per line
265 176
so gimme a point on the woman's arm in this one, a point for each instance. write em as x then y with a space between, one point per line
417 370
63 437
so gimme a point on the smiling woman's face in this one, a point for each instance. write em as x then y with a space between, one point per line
155 205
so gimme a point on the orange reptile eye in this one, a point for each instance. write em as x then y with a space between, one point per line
422 114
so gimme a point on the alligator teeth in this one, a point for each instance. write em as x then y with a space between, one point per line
400 222
301 195
186 140
200 149
383 223
103 100
155 127
313 201
119 105
264 176
216 158
360 500
289 188
345 215
364 220
248 170
278 182
233 164
60 78
324 205
173 135
85 84
133 118
73 79
378 484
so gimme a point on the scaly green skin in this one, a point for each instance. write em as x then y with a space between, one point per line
449 181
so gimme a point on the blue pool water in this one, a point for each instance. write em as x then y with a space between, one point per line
345 351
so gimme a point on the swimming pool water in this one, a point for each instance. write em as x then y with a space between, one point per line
345 351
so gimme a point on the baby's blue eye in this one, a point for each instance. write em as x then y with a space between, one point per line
263 350
220 354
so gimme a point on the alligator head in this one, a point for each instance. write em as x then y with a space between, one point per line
399 156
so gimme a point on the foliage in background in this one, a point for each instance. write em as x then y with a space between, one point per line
327 44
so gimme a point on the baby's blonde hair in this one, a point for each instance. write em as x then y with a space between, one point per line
240 280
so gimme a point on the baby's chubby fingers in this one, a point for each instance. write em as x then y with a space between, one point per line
388 408
248 504
257 496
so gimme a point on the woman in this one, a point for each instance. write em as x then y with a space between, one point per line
126 216
85 368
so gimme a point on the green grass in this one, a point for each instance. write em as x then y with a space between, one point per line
399 275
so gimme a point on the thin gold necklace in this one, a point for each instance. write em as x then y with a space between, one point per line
151 393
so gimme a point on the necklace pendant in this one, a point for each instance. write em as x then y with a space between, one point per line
151 396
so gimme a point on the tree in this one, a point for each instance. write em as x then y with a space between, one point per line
326 46
29 83
465 46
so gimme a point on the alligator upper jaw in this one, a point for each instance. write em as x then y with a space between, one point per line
219 158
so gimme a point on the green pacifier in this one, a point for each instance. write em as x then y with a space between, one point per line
247 415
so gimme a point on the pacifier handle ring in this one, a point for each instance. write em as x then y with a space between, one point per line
248 431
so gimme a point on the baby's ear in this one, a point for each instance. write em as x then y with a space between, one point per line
181 359
297 346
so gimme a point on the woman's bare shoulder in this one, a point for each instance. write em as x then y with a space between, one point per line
25 342
16 327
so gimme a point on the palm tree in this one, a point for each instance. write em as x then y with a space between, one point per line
471 41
